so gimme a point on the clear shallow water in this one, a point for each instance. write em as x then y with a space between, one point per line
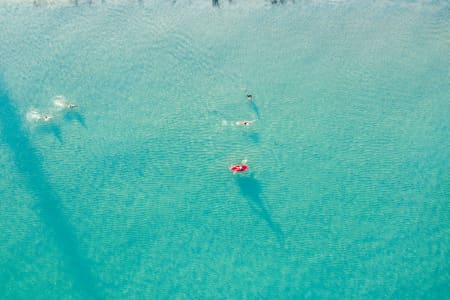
130 196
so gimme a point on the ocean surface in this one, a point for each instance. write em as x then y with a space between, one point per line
129 195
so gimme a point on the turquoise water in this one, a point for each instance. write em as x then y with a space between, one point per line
129 195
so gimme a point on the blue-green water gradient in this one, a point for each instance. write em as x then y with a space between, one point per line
129 195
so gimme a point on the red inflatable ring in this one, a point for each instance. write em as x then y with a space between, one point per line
239 168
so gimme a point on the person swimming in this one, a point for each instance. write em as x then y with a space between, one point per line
242 167
36 116
244 122
46 118
249 97
61 103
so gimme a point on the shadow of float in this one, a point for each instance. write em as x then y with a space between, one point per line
251 189
49 209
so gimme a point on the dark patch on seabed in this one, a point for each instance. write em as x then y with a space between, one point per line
251 189
29 163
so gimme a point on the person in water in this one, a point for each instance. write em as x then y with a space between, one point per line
249 97
244 123
61 103
237 168
46 117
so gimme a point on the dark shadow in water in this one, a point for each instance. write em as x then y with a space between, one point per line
280 1
251 189
56 132
75 116
254 137
29 164
216 2
255 108
52 129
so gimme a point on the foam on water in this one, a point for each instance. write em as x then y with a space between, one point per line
60 102
33 116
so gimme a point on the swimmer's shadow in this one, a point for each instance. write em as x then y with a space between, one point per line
71 116
52 129
254 137
255 108
251 189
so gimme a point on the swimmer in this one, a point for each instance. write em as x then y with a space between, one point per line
36 116
249 97
46 118
61 103
244 122
242 167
